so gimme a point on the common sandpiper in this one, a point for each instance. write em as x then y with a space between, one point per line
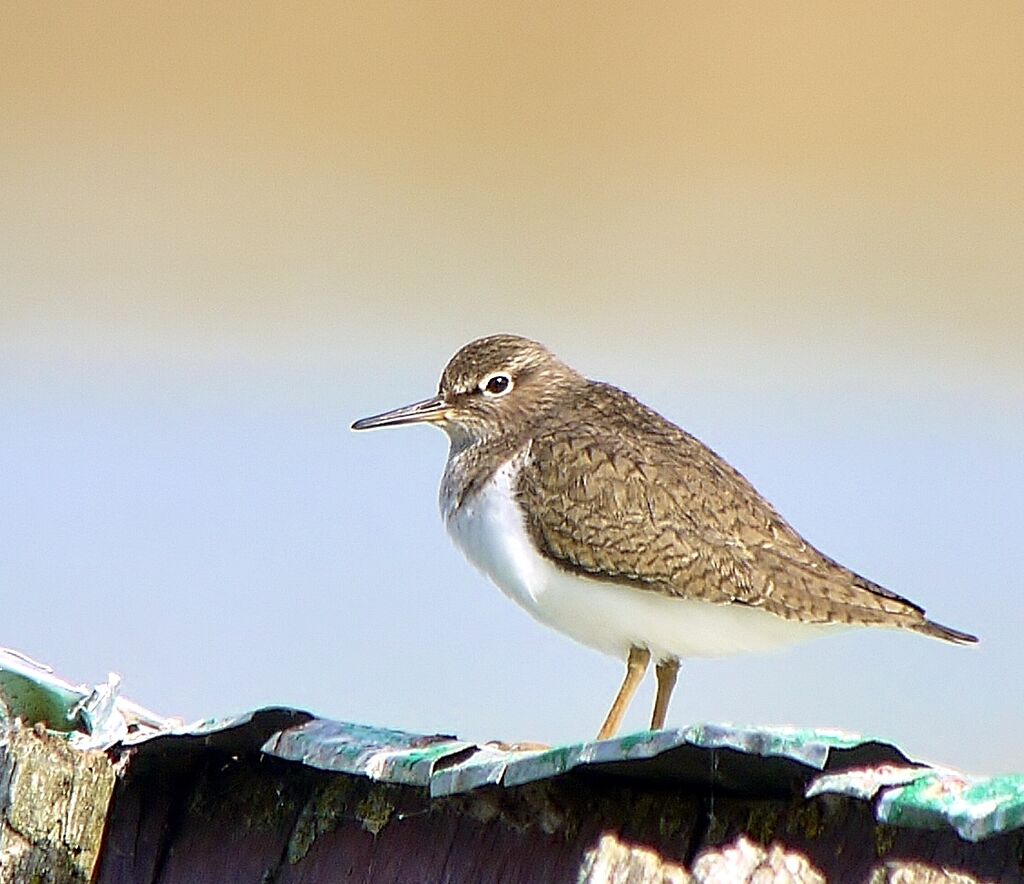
614 526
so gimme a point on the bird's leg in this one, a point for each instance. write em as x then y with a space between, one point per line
636 666
666 670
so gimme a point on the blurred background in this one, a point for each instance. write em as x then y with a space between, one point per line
227 233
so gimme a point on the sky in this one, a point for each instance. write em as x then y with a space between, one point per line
226 234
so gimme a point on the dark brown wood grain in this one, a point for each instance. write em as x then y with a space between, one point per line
256 820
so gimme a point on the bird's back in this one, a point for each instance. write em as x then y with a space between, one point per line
614 490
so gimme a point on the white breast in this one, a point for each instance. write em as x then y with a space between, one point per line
490 530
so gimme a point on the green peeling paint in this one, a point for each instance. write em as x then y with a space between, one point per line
976 808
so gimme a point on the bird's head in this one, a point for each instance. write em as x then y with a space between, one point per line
492 387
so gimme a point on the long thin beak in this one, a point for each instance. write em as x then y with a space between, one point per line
428 410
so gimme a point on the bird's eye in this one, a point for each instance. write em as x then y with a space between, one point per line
497 384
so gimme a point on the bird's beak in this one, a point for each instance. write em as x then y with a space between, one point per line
428 411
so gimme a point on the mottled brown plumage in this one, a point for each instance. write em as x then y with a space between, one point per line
615 490
612 491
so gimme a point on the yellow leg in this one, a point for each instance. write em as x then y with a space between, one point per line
636 666
666 671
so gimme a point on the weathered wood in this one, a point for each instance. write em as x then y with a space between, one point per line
253 819
215 809
53 806
613 861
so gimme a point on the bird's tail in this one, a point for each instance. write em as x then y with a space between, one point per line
937 630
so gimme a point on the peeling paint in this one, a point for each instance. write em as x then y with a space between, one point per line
748 760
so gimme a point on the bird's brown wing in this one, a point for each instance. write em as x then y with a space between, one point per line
654 508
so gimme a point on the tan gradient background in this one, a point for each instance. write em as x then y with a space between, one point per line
226 231
763 162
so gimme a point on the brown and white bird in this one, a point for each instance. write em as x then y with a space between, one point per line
612 525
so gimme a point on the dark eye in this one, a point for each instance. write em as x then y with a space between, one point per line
496 384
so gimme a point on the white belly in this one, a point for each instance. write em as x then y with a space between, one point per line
490 531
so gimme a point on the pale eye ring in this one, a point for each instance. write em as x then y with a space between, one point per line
496 384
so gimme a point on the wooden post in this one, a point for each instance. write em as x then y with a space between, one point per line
53 807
